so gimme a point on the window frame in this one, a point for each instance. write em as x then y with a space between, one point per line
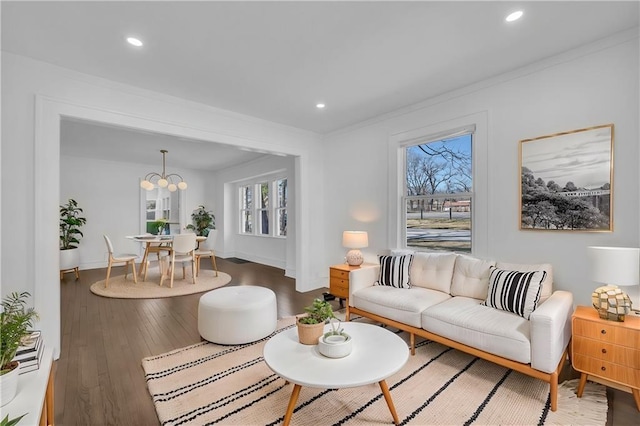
439 137
272 209
441 124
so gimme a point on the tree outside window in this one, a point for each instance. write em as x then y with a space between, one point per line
438 180
246 209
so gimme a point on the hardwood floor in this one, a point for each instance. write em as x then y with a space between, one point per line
99 378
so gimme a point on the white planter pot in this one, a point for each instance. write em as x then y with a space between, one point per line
69 259
9 385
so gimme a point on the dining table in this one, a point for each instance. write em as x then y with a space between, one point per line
155 244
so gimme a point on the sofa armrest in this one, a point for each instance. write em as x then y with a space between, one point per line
551 331
362 278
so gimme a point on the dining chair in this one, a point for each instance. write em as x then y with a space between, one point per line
158 249
183 250
207 250
120 258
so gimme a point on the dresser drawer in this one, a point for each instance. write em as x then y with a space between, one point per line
607 332
607 370
604 351
340 274
339 287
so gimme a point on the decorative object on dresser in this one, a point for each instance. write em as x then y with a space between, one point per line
355 240
606 350
615 266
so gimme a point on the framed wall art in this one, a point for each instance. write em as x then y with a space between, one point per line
567 181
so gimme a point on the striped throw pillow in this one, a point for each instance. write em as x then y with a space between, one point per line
394 271
514 291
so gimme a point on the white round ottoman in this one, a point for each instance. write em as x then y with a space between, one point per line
237 315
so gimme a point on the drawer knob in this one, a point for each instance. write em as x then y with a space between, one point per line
604 351
603 331
603 368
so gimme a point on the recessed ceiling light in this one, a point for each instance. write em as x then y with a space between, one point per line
514 16
320 106
134 41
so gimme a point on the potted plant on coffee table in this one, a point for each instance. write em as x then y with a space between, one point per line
70 223
311 324
15 321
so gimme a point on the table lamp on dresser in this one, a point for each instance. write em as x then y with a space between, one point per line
615 266
355 240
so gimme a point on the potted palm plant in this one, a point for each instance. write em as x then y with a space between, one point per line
203 221
71 220
311 324
15 320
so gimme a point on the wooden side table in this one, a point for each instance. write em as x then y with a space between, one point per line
609 350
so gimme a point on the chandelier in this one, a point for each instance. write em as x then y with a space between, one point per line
163 180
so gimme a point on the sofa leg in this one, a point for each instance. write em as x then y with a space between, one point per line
553 391
412 340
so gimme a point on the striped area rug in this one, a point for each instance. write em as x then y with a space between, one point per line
213 384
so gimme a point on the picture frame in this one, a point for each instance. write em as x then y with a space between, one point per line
566 181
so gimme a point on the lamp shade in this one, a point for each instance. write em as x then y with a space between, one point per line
355 239
615 265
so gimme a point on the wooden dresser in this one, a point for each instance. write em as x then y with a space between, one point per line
605 349
339 282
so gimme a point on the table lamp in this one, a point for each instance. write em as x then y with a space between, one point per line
615 266
355 240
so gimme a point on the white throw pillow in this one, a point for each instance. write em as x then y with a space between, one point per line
471 277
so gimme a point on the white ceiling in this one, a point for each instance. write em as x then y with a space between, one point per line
95 140
276 60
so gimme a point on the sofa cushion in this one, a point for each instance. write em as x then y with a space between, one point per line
405 306
467 321
394 271
432 270
547 284
515 291
471 277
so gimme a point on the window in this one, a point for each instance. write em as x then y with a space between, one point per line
263 209
246 209
438 193
281 209
270 206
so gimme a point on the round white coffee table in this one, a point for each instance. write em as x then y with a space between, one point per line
377 354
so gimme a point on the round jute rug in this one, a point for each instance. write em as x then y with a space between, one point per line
120 288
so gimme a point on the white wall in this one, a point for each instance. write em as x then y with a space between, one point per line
109 193
269 251
597 84
36 95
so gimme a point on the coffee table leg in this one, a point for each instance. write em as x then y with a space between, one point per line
292 404
387 397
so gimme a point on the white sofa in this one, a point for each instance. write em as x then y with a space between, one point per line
444 304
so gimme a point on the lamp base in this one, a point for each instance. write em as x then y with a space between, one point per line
354 258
